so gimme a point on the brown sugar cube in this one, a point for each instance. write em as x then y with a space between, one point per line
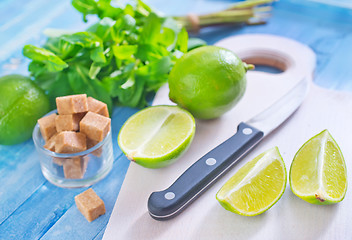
50 144
77 117
74 168
59 161
66 123
72 104
47 126
97 106
90 204
91 143
70 142
95 126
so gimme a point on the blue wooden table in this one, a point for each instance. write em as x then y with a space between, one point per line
31 207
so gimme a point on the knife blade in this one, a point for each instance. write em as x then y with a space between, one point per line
166 204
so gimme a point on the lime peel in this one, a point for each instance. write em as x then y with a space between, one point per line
208 81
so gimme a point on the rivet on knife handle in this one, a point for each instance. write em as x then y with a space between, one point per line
167 204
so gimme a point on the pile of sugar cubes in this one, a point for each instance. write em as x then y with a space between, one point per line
81 123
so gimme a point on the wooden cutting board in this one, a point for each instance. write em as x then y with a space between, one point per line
291 217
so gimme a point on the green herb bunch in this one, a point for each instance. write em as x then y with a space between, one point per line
119 60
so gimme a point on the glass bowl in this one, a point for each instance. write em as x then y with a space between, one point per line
74 170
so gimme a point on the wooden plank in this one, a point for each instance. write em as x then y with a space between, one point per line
72 224
337 72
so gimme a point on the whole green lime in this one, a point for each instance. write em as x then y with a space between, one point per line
21 104
208 81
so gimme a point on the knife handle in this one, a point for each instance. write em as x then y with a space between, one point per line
197 178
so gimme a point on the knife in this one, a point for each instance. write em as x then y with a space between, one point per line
204 172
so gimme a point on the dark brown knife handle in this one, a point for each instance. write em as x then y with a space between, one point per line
197 178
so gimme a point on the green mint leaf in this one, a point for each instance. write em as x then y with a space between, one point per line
80 82
151 29
86 7
158 67
171 23
113 82
83 39
46 79
53 45
148 52
122 28
143 9
125 56
94 70
97 55
105 9
167 37
132 92
195 43
51 62
129 10
36 68
101 94
124 51
78 78
102 29
155 74
182 41
58 87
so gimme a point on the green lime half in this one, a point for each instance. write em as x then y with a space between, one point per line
154 137
318 172
256 186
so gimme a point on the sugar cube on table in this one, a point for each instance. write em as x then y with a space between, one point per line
72 104
90 204
98 107
70 142
95 126
47 126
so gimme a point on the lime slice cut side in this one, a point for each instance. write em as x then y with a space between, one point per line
318 172
156 136
256 186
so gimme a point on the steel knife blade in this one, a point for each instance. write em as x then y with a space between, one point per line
204 172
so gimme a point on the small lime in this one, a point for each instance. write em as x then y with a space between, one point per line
21 104
318 171
255 187
156 136
208 81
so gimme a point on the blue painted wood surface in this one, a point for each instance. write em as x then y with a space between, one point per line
31 207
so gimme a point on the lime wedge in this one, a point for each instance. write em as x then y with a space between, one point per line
318 172
156 136
256 186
